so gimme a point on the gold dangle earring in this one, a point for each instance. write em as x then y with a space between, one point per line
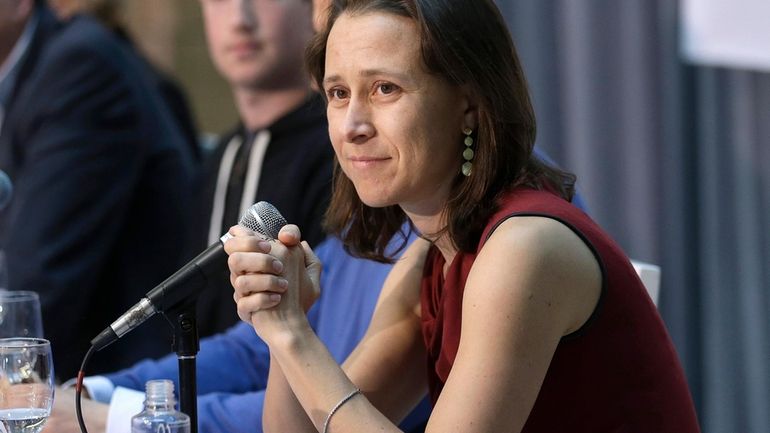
468 152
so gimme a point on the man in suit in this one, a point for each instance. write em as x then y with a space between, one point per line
102 178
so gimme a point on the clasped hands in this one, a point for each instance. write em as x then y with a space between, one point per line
275 282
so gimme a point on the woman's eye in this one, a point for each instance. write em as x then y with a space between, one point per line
336 93
387 88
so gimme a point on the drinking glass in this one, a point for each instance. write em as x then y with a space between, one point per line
20 314
26 384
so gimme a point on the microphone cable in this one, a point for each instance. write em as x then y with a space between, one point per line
79 388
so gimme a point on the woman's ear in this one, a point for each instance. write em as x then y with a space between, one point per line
470 107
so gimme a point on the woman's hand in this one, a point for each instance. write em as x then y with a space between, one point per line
275 282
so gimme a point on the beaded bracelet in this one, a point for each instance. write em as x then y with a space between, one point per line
338 405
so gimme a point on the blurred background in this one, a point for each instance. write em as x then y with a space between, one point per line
662 109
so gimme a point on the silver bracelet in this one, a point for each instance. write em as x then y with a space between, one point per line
339 405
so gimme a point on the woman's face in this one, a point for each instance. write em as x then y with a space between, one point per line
396 129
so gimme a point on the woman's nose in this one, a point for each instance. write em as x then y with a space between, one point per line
358 126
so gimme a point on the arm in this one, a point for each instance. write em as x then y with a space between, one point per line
391 347
533 282
387 365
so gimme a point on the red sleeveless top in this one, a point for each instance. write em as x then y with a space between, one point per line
618 373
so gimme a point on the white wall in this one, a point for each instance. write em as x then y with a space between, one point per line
730 33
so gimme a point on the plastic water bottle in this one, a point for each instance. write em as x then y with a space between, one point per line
160 414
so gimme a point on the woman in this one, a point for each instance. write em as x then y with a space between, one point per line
530 318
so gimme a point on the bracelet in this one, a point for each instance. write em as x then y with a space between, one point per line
339 405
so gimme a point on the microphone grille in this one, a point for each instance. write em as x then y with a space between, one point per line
263 218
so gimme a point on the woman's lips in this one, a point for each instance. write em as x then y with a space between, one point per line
367 161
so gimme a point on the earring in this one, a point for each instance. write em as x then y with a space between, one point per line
468 152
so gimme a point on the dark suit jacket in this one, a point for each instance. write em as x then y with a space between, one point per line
102 187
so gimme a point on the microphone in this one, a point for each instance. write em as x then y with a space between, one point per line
6 190
192 278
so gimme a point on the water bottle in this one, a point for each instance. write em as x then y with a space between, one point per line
160 414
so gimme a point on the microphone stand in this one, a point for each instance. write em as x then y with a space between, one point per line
186 345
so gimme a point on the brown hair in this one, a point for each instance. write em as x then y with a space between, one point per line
467 43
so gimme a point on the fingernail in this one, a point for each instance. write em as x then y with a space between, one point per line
277 266
264 246
284 284
274 297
